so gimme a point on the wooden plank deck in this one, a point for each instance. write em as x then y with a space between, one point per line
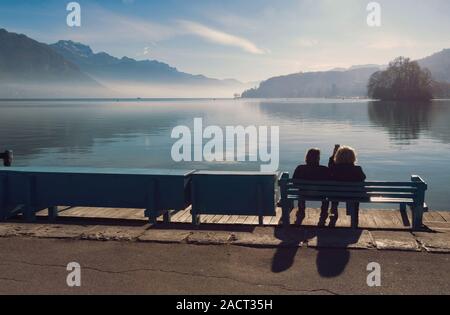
371 219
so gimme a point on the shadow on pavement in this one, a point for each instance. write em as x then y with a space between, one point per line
332 246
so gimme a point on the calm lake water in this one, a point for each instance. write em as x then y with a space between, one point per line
393 140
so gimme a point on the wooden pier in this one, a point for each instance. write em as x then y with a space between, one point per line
369 219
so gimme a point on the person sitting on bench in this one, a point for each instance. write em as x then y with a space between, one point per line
344 169
313 171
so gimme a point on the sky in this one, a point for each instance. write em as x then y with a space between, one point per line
248 40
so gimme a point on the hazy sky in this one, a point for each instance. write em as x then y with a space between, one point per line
243 39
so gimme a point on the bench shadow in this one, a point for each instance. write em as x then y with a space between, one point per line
203 227
86 221
66 220
332 245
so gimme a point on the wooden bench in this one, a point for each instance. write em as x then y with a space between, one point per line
28 190
233 193
402 193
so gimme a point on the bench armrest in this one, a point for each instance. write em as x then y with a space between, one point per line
283 177
417 179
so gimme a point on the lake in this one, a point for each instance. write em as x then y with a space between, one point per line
393 140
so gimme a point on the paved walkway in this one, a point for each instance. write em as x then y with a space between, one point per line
381 230
31 265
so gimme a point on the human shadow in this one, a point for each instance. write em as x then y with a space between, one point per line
332 245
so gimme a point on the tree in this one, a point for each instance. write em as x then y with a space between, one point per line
403 80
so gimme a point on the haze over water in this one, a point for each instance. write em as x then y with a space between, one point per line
393 141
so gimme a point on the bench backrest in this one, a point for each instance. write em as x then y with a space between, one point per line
95 187
292 189
234 193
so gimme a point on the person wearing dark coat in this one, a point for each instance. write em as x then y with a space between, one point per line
313 171
344 169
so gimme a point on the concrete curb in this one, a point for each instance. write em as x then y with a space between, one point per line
261 237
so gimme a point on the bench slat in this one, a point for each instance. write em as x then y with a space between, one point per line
293 189
361 200
348 194
331 183
391 200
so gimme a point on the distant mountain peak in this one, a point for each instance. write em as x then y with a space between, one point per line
29 68
75 48
105 67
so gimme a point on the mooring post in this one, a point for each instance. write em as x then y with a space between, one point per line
7 158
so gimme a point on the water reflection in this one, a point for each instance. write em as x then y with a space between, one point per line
29 129
403 121
334 111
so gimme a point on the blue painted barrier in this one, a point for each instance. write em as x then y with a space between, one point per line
30 189
233 193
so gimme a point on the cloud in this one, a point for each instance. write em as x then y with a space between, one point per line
102 26
219 37
307 43
145 52
390 43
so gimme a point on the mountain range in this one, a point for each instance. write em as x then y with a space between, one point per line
351 82
67 69
26 66
105 67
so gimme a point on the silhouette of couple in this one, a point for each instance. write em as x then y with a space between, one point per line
341 168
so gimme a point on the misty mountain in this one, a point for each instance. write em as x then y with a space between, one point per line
105 67
29 68
337 83
438 64
25 59
351 82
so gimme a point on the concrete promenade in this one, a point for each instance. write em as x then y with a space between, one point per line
379 229
120 252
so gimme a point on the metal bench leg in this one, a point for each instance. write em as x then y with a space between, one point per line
353 208
286 214
195 219
285 203
29 214
52 213
261 220
151 215
167 216
153 219
417 217
403 207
